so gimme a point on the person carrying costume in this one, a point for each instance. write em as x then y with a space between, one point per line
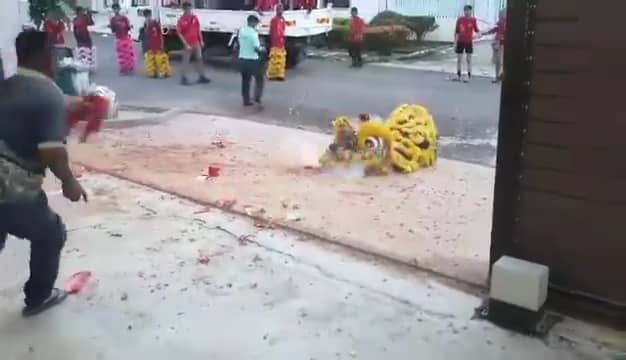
55 27
124 46
278 54
85 51
156 60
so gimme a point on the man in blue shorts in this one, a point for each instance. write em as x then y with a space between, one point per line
32 139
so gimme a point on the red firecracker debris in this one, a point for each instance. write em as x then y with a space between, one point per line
218 144
77 282
213 171
228 204
204 259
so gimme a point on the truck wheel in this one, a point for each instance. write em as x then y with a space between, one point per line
172 43
295 55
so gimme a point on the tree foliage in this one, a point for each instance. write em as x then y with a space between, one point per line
420 25
39 9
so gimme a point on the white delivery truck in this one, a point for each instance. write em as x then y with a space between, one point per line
221 19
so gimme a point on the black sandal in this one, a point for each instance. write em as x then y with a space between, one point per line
56 297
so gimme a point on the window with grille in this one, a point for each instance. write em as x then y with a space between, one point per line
344 4
171 3
140 3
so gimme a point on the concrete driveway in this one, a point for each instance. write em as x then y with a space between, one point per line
174 280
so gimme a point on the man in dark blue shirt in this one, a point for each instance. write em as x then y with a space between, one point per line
32 139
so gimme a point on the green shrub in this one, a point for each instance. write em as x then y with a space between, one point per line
339 36
341 22
387 31
383 39
419 25
39 9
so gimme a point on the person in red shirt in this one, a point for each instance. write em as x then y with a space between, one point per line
357 35
156 61
278 55
264 5
498 45
188 29
124 46
308 5
466 28
55 27
85 51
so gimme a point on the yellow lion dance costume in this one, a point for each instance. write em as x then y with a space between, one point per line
405 142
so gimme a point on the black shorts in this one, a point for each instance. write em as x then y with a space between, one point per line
467 48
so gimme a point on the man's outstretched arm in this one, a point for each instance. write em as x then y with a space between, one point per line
50 136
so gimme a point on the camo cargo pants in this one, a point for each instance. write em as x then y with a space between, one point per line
24 213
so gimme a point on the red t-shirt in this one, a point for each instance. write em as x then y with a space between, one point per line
155 37
189 27
466 26
499 30
55 28
357 29
277 32
306 4
81 25
265 5
120 25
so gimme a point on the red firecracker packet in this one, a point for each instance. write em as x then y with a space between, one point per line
93 112
77 282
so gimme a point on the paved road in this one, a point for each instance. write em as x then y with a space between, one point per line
317 91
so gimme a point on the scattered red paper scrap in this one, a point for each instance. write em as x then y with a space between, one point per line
219 144
203 259
228 204
213 171
77 282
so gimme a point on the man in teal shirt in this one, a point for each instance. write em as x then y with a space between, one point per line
250 62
